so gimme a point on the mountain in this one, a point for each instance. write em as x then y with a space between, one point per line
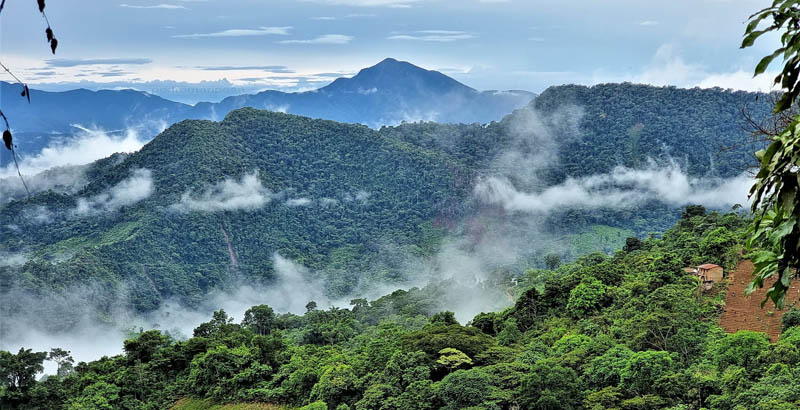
56 112
385 94
208 205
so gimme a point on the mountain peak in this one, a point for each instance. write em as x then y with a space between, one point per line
392 74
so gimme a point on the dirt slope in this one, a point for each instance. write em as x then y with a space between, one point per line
745 313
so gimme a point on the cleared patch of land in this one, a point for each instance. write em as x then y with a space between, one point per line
745 313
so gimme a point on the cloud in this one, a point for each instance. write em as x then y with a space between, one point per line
261 31
154 6
229 195
279 69
88 146
65 179
441 36
325 39
37 215
76 62
622 188
136 188
298 202
648 23
669 68
323 18
367 3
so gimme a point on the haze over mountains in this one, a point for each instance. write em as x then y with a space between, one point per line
385 94
211 205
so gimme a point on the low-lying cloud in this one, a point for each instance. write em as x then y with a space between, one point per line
87 146
138 187
621 188
229 195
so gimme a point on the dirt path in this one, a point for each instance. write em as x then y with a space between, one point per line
745 313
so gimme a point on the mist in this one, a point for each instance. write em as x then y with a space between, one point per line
87 146
504 235
229 195
622 188
138 187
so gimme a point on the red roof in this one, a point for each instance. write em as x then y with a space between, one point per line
708 266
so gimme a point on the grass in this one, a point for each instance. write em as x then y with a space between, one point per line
188 403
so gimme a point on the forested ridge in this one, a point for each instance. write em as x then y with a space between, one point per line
337 196
625 331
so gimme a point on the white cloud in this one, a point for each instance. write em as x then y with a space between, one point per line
229 195
154 6
648 23
668 67
441 36
326 39
620 189
88 146
136 188
366 3
298 202
261 31
38 215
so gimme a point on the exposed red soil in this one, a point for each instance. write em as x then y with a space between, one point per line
745 312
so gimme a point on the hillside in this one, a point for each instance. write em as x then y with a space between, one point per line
209 205
207 202
744 312
626 331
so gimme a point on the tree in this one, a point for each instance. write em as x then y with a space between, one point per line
452 359
551 387
63 360
260 319
311 306
775 230
790 319
18 375
446 318
632 244
336 385
552 260
586 298
644 370
464 388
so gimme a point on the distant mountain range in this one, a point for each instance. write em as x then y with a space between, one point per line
386 94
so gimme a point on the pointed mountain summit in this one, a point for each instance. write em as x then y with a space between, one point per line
387 93
394 75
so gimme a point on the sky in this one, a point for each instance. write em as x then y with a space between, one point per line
229 47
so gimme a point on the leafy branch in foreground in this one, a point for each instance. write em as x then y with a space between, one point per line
775 231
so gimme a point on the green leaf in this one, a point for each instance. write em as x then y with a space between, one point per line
765 62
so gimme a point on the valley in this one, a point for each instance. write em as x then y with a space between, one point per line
399 205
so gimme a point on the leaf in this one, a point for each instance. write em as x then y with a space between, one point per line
7 139
27 93
41 5
764 63
54 45
49 33
750 39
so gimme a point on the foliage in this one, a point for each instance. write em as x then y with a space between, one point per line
651 344
775 232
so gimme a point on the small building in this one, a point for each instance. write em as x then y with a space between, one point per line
710 273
